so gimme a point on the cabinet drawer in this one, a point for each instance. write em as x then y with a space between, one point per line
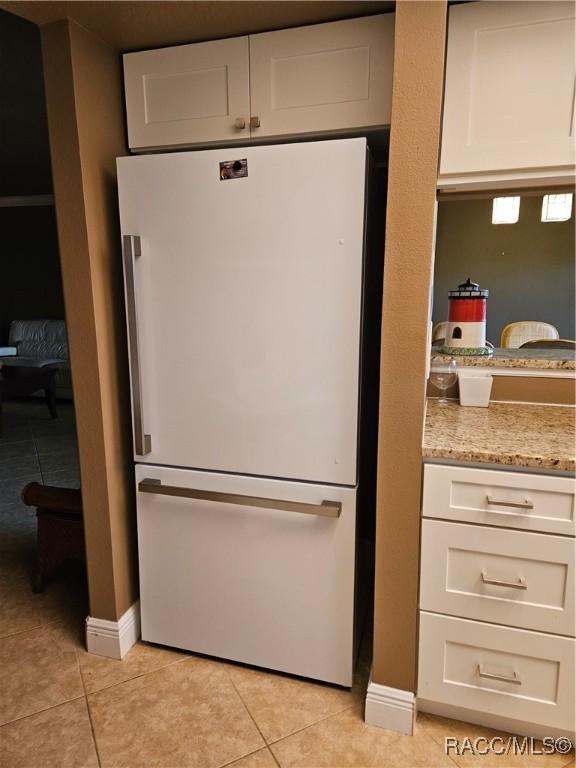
493 497
505 577
507 672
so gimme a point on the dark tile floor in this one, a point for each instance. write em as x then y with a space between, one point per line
34 448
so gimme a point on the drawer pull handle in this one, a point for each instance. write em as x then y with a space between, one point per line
324 509
515 679
526 504
520 584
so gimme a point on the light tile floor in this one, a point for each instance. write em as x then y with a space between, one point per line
61 707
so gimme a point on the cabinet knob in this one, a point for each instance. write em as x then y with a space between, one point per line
255 122
240 123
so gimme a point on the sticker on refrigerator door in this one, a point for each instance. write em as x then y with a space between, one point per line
233 169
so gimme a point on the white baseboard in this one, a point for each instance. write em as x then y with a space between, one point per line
390 708
113 638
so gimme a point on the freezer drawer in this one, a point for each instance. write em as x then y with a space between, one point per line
266 580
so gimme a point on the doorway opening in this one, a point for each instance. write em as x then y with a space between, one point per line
38 441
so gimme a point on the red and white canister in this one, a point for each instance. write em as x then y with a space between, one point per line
467 317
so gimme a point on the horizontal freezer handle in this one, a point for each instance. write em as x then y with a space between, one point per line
325 509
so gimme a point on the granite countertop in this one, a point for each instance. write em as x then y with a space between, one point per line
511 434
552 359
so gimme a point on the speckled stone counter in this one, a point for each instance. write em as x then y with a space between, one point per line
553 359
515 435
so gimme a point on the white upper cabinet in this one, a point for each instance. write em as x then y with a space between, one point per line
326 77
188 94
509 96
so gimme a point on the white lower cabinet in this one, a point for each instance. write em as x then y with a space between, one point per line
497 618
248 569
511 673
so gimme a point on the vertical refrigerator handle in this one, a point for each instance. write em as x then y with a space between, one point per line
130 252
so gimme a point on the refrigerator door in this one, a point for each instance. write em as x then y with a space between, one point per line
245 351
268 586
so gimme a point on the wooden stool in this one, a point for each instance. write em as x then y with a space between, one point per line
60 529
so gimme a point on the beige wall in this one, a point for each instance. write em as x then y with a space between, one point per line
524 389
534 389
410 226
138 24
84 99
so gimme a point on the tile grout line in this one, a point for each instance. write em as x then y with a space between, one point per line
231 681
236 760
31 629
15 442
298 730
36 451
40 711
135 677
311 725
439 742
292 733
89 712
452 759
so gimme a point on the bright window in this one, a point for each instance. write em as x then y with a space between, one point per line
556 207
505 210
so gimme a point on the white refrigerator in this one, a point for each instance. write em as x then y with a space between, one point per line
244 282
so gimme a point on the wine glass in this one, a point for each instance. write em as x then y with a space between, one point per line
444 379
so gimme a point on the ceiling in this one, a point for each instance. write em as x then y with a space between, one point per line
129 26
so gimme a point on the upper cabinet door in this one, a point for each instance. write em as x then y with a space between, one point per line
326 77
509 95
188 94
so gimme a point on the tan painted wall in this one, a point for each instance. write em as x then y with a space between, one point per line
137 24
524 389
408 262
84 100
534 389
